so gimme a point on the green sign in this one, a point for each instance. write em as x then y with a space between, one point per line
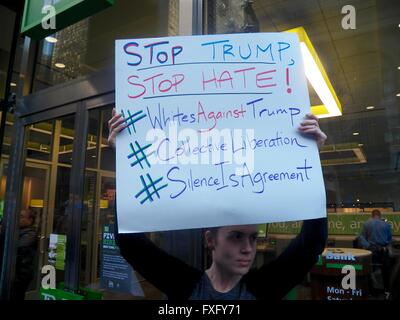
58 294
339 224
57 247
36 18
61 294
61 246
285 227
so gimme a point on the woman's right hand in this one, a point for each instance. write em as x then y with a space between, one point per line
115 125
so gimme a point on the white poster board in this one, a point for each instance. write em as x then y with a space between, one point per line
212 136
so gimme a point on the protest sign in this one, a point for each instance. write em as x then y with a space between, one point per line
212 133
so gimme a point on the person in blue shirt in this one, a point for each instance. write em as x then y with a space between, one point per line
376 232
376 236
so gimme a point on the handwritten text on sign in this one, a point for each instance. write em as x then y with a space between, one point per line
212 133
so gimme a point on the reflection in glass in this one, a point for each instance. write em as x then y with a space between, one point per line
92 139
87 227
39 140
58 235
107 202
66 139
62 200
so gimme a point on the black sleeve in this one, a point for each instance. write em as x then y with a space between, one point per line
170 275
26 256
25 264
276 279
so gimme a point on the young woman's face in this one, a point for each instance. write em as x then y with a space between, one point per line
234 248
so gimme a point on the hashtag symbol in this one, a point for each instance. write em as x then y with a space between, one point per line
131 120
139 154
146 188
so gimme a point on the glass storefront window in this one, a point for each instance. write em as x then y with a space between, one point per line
361 158
88 46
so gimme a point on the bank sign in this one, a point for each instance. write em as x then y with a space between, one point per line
44 17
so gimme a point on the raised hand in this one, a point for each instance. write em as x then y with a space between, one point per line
310 125
115 125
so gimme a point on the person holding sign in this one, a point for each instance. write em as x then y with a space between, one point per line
233 251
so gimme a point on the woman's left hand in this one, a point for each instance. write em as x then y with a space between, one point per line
310 125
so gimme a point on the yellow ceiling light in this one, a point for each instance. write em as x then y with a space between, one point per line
318 78
36 203
60 65
103 204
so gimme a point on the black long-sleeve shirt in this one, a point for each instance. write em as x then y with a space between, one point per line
272 281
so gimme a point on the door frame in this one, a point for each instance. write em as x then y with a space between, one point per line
17 160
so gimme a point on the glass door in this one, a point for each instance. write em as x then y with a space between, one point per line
35 199
44 200
31 249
